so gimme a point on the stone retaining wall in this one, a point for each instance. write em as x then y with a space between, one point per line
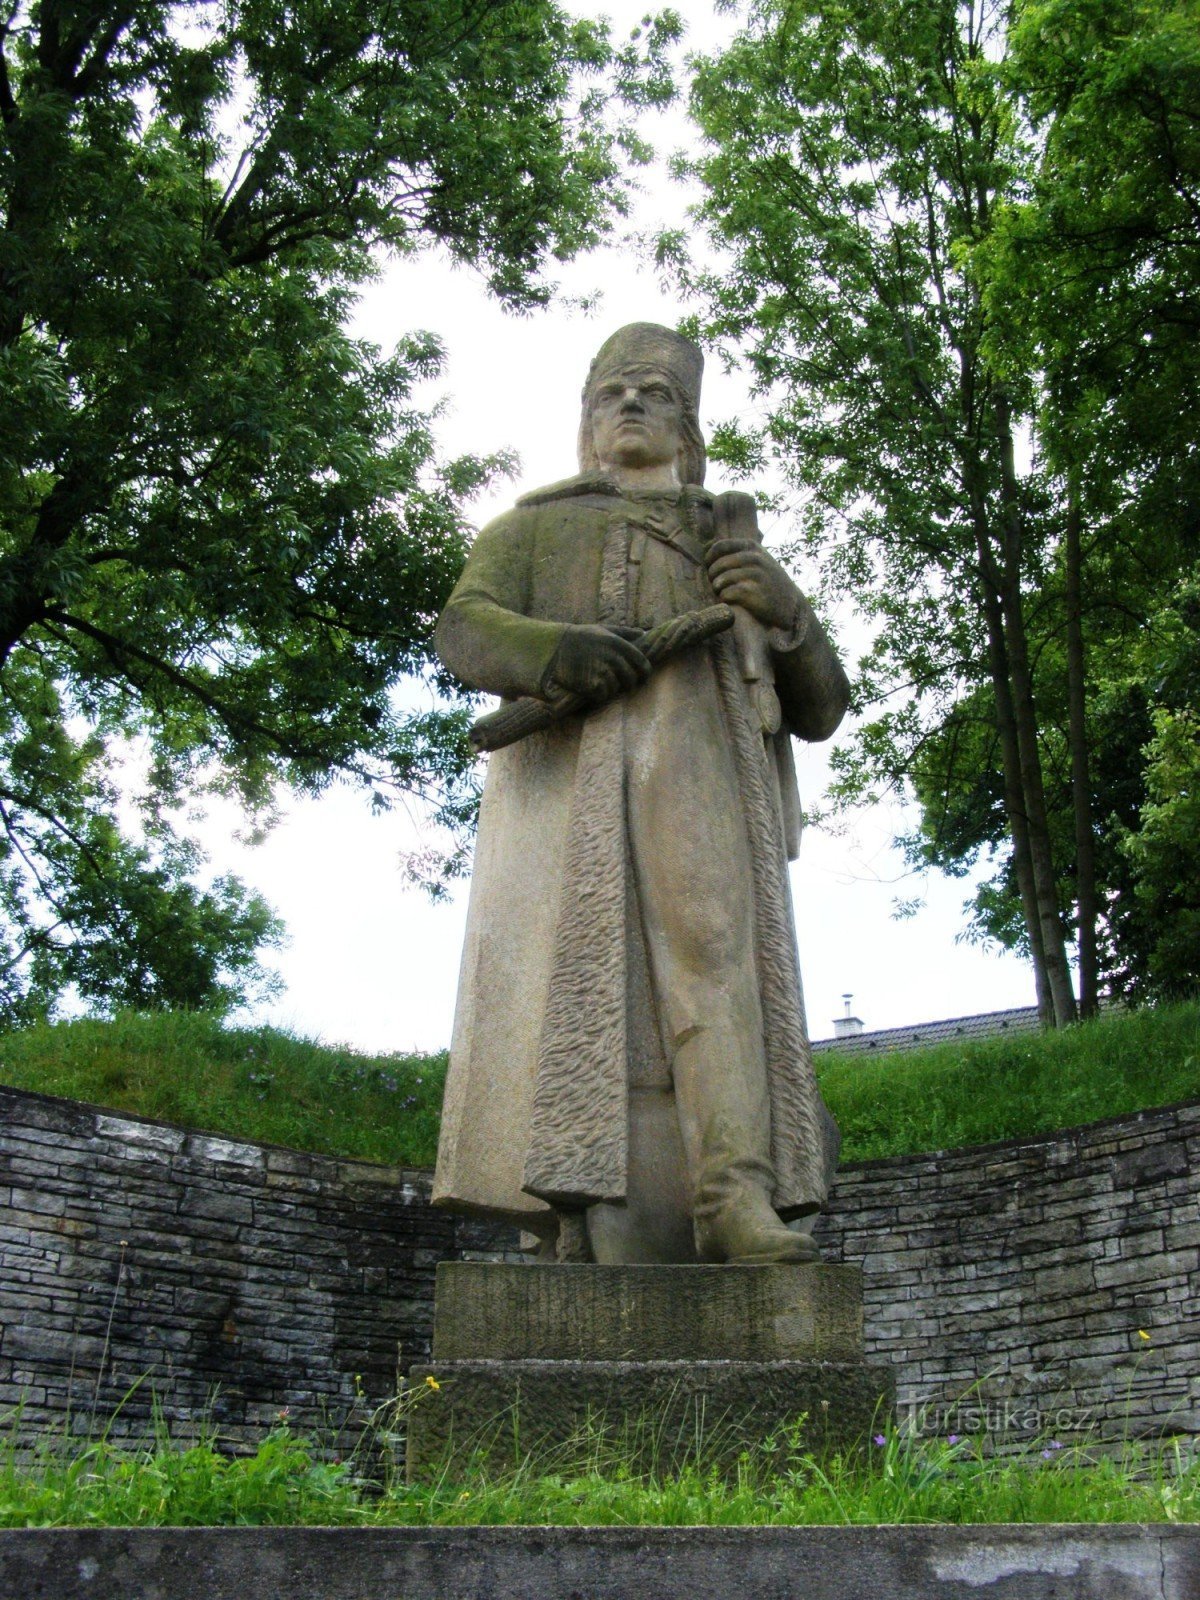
1046 1284
230 1280
1016 1279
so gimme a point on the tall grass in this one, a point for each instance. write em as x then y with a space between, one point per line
265 1085
257 1084
899 1479
989 1089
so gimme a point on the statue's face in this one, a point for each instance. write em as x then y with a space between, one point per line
636 420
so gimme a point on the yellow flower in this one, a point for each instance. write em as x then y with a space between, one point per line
1142 1334
432 1382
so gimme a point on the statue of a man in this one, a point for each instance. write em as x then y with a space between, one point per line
630 1074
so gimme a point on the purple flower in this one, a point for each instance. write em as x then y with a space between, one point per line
879 1439
952 1439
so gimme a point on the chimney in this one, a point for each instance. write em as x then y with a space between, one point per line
848 1026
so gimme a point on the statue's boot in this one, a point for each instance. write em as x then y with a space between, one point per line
725 1120
734 1219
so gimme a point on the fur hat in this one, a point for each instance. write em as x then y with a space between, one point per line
648 344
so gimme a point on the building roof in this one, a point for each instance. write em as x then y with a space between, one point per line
987 1025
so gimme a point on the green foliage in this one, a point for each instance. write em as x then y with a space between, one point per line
1095 274
1162 843
900 1479
853 162
188 1487
941 222
257 1084
1166 850
950 1095
1091 277
225 532
81 903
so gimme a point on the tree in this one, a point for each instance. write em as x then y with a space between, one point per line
854 159
1090 280
1094 278
224 530
1163 847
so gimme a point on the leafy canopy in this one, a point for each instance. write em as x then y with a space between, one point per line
945 225
225 532
854 158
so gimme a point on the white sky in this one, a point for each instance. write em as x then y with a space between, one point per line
370 961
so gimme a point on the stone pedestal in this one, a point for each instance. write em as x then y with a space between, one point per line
668 1363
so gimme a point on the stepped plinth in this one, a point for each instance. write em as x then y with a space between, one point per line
669 1363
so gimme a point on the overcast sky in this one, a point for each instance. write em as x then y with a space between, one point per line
370 961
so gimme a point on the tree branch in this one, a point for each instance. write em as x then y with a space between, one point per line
120 651
89 74
9 109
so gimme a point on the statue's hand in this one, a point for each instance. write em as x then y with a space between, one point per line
743 574
596 661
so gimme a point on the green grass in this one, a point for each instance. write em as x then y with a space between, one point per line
257 1084
977 1092
899 1480
264 1085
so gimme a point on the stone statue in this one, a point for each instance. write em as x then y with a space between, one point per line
630 1075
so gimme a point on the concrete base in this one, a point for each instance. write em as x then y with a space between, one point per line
947 1563
657 1415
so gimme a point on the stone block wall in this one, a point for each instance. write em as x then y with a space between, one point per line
1045 1285
1009 1286
228 1281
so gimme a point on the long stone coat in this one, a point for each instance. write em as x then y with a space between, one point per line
556 1017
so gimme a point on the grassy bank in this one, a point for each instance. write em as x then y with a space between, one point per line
976 1092
897 1480
263 1085
257 1084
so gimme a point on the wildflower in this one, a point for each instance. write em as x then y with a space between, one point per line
1142 1334
879 1439
1054 1445
464 1497
284 1414
432 1382
952 1438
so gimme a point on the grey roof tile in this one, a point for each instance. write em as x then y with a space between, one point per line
986 1025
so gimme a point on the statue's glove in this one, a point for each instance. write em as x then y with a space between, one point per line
596 661
743 574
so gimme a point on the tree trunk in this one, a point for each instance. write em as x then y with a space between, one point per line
1081 783
1010 759
1014 802
1054 948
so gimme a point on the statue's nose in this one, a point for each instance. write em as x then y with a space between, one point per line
631 400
